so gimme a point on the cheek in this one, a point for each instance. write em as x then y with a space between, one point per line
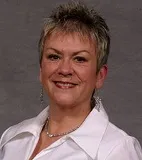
87 74
46 71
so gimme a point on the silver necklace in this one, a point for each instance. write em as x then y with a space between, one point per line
59 134
97 100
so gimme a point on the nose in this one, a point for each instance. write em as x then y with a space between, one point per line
65 68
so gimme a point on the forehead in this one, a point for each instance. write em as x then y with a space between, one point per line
70 40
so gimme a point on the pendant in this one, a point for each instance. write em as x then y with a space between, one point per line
50 135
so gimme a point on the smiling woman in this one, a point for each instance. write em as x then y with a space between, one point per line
73 49
68 71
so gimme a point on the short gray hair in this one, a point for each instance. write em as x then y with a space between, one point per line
76 17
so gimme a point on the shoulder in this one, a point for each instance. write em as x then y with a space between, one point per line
118 145
31 126
128 149
15 130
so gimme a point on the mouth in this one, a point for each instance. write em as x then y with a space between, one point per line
64 85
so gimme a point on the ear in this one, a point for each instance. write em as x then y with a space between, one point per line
101 75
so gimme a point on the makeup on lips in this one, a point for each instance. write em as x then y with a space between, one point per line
64 85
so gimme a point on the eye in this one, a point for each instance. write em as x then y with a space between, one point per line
53 57
80 59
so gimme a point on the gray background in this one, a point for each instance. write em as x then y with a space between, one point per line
20 25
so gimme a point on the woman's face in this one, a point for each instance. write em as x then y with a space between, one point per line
68 70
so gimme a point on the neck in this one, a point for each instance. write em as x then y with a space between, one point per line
64 118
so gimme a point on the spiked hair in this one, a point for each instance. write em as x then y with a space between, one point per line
76 17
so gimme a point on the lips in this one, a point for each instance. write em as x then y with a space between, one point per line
64 85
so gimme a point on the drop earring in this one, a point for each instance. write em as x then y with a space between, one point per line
41 97
97 100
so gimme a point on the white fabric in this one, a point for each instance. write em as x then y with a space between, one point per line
95 139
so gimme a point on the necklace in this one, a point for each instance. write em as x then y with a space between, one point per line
59 134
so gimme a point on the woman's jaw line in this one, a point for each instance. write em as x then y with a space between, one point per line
69 108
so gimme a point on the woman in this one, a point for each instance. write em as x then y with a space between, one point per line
74 48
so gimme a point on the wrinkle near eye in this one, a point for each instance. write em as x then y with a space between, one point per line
53 57
80 59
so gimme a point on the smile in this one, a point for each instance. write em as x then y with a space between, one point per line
64 85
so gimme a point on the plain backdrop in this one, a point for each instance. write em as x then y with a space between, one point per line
20 25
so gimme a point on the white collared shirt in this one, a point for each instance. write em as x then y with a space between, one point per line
95 139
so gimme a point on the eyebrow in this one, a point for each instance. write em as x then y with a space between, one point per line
74 53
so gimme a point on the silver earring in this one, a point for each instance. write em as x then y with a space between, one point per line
41 97
97 100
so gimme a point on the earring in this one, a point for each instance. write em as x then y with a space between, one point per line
97 100
41 97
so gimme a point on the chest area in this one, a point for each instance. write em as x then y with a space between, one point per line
60 150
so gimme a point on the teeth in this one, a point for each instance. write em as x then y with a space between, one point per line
64 84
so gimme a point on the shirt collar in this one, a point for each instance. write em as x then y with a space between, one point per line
32 126
89 135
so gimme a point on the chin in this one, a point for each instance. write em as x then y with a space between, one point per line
64 101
